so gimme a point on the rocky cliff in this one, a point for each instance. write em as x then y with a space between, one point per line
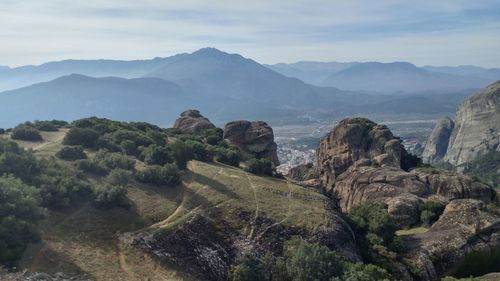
477 127
437 144
191 121
351 140
255 137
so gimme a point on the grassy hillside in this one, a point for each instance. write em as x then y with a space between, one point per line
86 239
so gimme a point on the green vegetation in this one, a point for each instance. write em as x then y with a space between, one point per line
2 131
477 263
160 175
110 195
487 168
309 262
19 215
430 211
81 136
260 166
71 153
26 133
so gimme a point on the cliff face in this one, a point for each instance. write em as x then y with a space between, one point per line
256 138
477 128
437 144
351 140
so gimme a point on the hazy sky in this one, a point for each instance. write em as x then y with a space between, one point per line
437 32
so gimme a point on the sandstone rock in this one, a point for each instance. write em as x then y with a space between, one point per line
256 138
301 172
403 191
465 226
353 139
477 127
191 121
437 144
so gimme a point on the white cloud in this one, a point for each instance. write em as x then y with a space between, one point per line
424 32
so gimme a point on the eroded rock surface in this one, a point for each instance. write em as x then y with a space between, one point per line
351 140
437 144
255 137
191 121
477 127
465 226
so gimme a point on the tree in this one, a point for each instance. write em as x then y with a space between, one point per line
160 175
430 212
81 136
71 153
366 272
181 153
19 215
157 155
311 262
26 133
262 166
110 196
248 268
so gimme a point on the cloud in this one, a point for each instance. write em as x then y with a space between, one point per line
424 32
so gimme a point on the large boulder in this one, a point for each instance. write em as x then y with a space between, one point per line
465 226
191 121
477 127
351 140
255 137
437 144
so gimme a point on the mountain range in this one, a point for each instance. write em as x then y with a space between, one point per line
226 86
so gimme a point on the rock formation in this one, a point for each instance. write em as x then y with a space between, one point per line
437 144
351 140
256 138
465 226
477 127
191 121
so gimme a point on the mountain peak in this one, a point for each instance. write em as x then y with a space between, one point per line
209 51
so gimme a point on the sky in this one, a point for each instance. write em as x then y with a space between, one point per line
423 32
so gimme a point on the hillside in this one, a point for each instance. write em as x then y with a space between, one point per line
398 77
310 72
77 96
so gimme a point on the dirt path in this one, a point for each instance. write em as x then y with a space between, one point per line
123 264
256 215
289 196
59 137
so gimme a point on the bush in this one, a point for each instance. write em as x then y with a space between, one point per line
248 268
213 140
92 167
430 211
18 162
229 157
199 151
181 154
129 147
81 136
110 196
2 131
71 153
26 133
119 177
157 155
366 272
160 175
20 215
114 160
260 166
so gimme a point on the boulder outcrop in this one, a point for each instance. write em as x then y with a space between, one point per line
351 140
477 127
191 121
255 137
465 226
437 144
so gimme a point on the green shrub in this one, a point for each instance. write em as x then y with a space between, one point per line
160 175
110 196
26 133
20 214
313 262
2 131
18 162
81 136
114 160
119 177
260 166
486 168
129 147
181 154
71 153
229 157
213 140
157 155
430 211
139 138
366 272
199 151
93 167
247 268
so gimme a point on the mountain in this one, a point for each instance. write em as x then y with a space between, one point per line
477 127
76 96
492 74
12 78
310 71
398 77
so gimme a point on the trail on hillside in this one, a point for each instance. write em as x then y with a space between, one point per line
289 196
123 264
256 215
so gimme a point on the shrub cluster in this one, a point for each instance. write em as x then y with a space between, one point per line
71 153
430 211
26 133
260 166
160 175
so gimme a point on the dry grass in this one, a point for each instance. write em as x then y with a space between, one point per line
411 231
